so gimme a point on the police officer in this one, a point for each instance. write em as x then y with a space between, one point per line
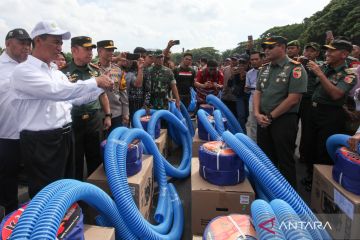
334 81
118 97
87 119
277 98
159 81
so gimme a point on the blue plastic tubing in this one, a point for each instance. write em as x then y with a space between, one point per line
183 169
184 117
337 141
233 123
262 213
219 124
270 179
285 214
203 118
137 122
56 198
168 198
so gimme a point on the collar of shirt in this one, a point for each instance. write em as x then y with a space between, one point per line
38 63
5 58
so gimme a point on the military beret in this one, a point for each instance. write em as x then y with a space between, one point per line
338 44
108 44
274 40
82 41
294 43
18 33
313 45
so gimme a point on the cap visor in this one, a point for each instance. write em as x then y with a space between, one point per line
269 43
110 47
328 47
89 45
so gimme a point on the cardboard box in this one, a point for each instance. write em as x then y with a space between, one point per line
335 205
141 184
162 142
95 233
197 142
210 201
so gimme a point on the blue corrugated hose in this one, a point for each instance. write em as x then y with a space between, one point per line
270 179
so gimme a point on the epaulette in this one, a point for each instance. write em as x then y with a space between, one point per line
295 62
265 64
94 65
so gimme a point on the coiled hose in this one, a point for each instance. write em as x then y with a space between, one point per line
233 123
219 123
266 224
168 197
57 197
337 141
272 182
192 105
183 169
203 118
285 214
184 117
37 223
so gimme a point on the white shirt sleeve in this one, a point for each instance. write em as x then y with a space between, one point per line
90 97
49 84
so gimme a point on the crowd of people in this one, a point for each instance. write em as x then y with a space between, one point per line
54 114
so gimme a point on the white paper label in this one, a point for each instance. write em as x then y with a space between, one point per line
344 204
244 199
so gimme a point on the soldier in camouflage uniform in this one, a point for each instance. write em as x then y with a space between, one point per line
87 119
159 81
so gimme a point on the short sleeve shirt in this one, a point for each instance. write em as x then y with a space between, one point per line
276 81
342 77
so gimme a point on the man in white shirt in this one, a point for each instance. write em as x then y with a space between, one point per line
43 100
17 44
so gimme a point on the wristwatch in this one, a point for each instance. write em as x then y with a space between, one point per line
108 115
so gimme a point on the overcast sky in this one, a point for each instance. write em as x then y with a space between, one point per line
151 23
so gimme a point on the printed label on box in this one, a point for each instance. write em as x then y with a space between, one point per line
244 199
344 204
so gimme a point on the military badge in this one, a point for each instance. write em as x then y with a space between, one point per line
72 77
297 72
94 73
349 79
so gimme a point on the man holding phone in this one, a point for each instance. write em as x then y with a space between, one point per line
334 81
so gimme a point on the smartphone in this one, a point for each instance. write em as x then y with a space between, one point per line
304 61
132 56
250 38
176 42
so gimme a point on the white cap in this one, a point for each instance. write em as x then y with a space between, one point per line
51 28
